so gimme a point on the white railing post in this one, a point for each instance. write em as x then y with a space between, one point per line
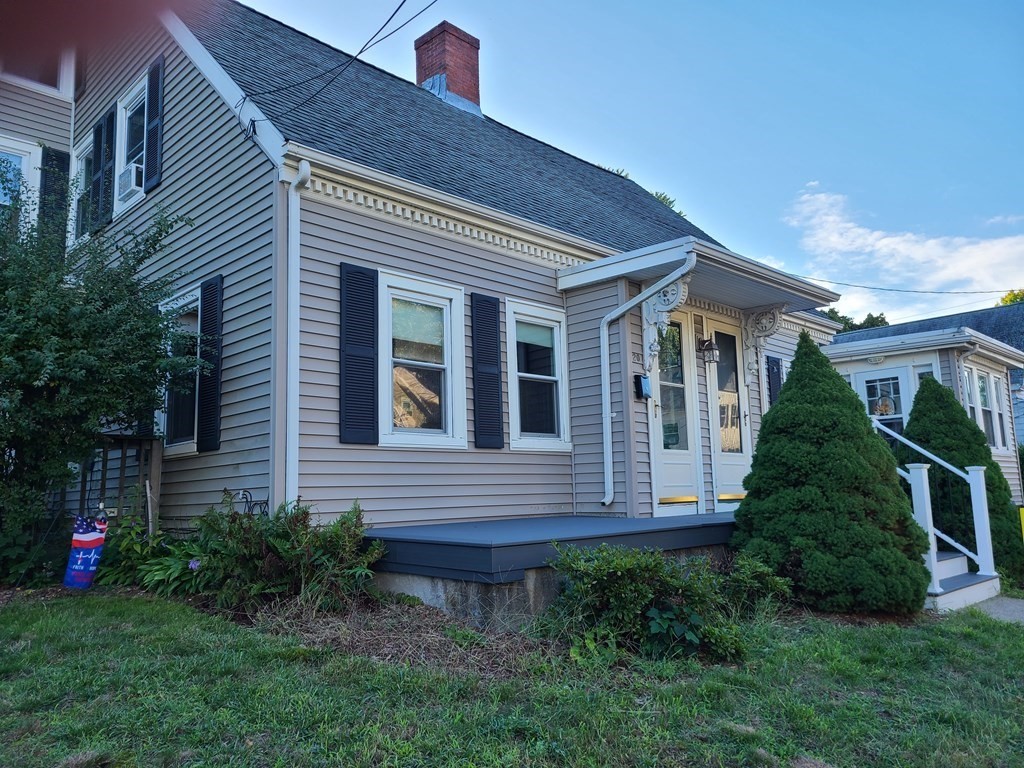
921 497
982 531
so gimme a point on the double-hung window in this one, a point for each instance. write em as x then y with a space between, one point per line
19 170
191 416
984 396
538 394
130 163
82 173
180 404
422 363
127 152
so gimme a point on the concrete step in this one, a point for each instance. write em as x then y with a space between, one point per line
951 564
962 590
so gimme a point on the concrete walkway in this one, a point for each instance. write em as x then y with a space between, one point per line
1003 608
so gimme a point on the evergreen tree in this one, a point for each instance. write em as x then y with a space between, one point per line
824 506
939 424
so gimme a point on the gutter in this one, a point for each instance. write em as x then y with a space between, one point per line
292 358
606 374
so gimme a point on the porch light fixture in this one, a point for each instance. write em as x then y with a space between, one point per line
707 349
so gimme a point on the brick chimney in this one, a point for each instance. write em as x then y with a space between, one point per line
448 65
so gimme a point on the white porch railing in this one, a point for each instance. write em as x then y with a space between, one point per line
917 476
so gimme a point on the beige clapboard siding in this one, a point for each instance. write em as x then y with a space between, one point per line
587 307
225 185
641 492
704 420
402 486
34 117
947 371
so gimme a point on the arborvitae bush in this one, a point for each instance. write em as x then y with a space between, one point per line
824 506
939 424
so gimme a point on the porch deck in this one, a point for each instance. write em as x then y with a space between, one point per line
500 551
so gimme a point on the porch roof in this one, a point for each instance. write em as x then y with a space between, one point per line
720 275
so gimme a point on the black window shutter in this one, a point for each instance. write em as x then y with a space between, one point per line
358 362
53 192
774 366
102 187
154 125
486 318
211 295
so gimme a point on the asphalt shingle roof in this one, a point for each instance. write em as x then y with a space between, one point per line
1004 323
373 118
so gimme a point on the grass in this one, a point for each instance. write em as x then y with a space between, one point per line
109 680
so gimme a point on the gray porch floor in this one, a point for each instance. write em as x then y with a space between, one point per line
500 551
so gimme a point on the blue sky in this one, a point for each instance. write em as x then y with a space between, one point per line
877 143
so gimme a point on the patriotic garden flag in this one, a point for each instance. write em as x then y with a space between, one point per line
86 548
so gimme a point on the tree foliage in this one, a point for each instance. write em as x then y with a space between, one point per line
849 324
83 348
662 197
824 506
939 424
1011 297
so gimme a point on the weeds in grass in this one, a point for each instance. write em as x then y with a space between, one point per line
141 681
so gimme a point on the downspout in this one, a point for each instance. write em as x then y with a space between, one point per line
291 449
606 373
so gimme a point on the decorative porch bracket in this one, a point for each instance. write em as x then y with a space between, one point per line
758 325
657 311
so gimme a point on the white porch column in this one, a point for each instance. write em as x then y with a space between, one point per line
982 530
922 500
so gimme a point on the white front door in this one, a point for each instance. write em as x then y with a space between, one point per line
730 430
674 437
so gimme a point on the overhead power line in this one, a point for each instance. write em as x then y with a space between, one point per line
335 71
899 290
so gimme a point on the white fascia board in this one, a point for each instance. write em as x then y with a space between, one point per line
948 338
329 162
267 136
755 270
661 256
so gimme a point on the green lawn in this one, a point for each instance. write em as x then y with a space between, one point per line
107 680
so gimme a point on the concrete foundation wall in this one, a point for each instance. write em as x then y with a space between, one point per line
509 606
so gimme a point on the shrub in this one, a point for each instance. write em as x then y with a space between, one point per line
940 424
241 559
127 548
618 600
824 506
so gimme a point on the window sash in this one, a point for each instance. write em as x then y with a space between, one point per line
536 354
421 363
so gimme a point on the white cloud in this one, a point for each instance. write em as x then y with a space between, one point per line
1010 219
842 249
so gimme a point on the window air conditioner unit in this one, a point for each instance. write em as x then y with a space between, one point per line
129 181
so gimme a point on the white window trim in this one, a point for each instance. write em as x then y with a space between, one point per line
31 169
130 97
998 384
452 298
182 302
553 318
65 79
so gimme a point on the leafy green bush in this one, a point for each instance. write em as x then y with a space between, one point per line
618 600
824 506
940 424
241 559
128 546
